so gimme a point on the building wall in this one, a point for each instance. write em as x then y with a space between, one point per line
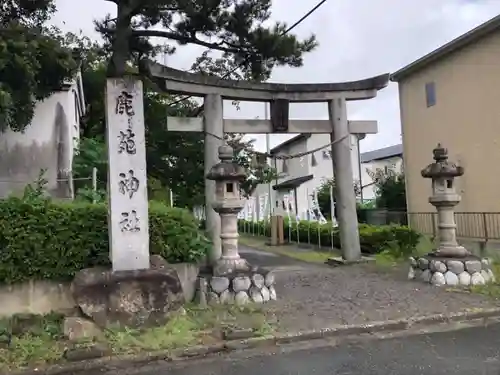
465 118
24 154
324 168
369 190
297 168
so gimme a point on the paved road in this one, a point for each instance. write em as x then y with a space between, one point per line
464 352
269 260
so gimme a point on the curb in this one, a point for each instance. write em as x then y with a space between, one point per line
127 361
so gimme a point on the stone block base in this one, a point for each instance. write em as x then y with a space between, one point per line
441 271
240 288
139 298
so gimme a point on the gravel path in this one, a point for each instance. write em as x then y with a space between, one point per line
319 296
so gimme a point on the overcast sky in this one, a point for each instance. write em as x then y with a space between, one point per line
357 39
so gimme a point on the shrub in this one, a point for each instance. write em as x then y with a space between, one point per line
373 239
45 240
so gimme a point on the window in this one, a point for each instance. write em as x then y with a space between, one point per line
230 187
430 94
77 112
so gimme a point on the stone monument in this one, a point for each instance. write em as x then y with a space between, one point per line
450 263
231 279
137 291
128 194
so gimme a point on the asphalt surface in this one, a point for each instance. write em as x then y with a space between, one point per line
268 260
463 352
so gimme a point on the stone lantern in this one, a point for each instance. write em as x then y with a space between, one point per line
232 279
445 198
450 263
228 203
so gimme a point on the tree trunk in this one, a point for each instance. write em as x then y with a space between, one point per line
121 42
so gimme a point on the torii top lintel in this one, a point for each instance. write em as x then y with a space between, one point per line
180 82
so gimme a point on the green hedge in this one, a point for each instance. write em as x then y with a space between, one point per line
374 239
45 240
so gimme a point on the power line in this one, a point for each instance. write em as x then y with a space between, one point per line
282 157
286 157
304 17
297 23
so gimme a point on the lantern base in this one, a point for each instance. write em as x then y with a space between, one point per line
228 266
453 251
451 271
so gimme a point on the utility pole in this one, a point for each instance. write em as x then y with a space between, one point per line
268 150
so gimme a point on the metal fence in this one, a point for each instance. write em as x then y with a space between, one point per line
304 233
472 227
479 226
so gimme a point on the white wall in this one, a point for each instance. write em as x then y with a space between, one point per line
324 167
296 167
24 154
369 191
322 171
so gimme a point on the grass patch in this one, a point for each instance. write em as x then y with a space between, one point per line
291 251
393 257
490 290
27 339
42 342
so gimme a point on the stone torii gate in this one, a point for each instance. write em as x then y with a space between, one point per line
214 90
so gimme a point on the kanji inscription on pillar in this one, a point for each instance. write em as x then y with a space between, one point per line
127 187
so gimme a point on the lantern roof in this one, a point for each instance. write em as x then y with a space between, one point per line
227 170
442 167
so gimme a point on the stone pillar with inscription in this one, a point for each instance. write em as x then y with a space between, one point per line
127 178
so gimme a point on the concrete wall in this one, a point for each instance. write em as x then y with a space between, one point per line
465 118
369 190
47 143
43 297
36 297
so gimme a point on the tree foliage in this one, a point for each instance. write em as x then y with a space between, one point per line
235 28
34 60
174 159
324 199
390 188
238 46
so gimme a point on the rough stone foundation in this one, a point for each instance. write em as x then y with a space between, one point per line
239 288
451 271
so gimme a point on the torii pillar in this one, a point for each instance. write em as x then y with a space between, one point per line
214 90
